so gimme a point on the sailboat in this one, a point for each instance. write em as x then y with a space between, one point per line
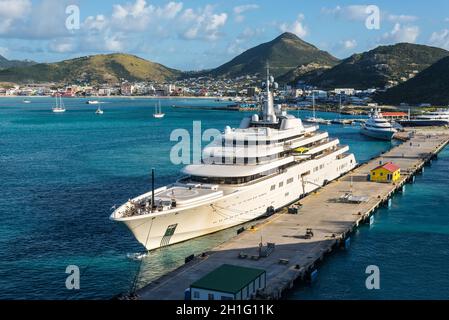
340 120
314 119
99 111
59 107
158 111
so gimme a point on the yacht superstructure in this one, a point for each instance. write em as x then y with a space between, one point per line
439 117
269 162
378 127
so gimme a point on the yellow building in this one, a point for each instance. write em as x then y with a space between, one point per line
388 172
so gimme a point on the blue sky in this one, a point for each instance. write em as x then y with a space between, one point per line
197 34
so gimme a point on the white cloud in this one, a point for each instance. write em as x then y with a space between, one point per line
297 27
11 11
3 51
401 18
360 13
170 10
440 39
402 33
246 7
97 23
132 16
353 12
239 10
202 23
62 45
349 44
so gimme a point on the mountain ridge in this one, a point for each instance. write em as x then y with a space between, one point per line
284 53
102 68
5 63
429 86
379 67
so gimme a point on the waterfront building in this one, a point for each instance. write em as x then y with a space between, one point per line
386 173
229 282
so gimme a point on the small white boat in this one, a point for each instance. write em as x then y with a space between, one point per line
26 101
314 119
99 111
93 102
317 120
59 107
158 111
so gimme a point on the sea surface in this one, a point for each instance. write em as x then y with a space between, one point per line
60 174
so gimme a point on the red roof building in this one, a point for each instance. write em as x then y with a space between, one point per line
395 115
390 166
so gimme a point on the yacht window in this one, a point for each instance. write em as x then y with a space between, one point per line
245 160
305 173
273 187
289 180
281 184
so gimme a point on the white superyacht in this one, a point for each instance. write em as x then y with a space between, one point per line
269 162
378 127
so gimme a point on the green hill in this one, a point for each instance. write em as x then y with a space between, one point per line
5 63
93 69
379 67
285 53
429 86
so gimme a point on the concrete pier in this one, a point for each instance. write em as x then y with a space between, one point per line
331 221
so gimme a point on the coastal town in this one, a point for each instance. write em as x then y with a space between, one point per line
243 93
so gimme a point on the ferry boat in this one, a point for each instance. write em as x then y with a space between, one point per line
439 117
270 161
378 127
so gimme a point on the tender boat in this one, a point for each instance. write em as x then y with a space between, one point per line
99 111
378 127
93 102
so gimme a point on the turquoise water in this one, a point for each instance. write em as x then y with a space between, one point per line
60 174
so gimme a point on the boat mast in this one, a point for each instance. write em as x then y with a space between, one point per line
313 104
268 109
152 190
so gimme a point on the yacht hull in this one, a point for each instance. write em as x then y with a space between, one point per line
246 204
378 134
424 123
